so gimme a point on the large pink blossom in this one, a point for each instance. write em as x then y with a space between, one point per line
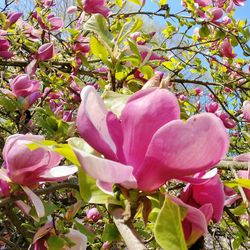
148 144
28 167
96 6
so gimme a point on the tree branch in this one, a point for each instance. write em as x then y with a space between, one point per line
127 231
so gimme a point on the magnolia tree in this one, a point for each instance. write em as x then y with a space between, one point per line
116 136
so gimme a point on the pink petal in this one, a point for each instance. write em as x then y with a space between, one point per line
145 112
243 157
91 123
180 149
105 170
195 222
36 201
79 239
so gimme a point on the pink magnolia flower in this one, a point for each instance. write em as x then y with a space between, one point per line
196 220
246 110
198 91
27 90
96 6
53 23
212 107
26 167
93 214
46 52
13 17
148 144
198 195
23 86
227 121
226 49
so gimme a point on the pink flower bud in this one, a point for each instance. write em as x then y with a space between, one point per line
93 214
198 91
13 17
227 90
212 107
182 97
23 86
226 49
72 9
46 52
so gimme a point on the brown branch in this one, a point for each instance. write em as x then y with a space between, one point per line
127 231
51 189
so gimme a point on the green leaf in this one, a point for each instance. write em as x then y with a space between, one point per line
98 49
97 24
90 193
168 228
245 183
85 231
204 31
136 26
119 3
110 233
55 243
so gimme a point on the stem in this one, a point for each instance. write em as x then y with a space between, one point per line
127 231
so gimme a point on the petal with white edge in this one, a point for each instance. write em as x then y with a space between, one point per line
58 173
106 170
36 201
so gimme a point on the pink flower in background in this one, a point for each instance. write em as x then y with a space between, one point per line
48 3
4 189
146 158
26 167
198 195
23 86
227 121
93 214
96 6
212 107
72 9
4 48
246 110
46 52
226 49
53 23
198 91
